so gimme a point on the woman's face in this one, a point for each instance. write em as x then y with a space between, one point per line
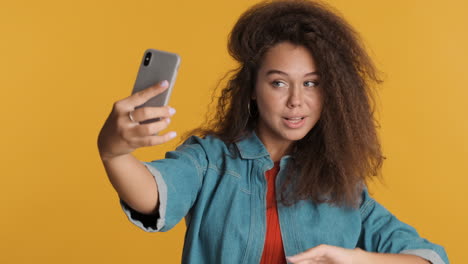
287 94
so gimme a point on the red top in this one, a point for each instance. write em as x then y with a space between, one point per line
273 251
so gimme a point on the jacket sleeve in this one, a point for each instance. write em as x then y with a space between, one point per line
383 232
179 178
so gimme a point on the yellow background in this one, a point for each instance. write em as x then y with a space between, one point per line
64 63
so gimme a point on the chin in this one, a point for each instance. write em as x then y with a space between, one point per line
295 135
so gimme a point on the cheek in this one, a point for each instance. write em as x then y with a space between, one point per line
315 102
263 108
268 104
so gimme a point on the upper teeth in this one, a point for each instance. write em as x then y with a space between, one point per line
295 118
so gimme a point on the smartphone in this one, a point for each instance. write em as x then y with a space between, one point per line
156 66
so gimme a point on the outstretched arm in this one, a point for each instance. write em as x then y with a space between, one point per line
123 133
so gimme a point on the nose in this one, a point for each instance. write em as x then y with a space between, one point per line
295 98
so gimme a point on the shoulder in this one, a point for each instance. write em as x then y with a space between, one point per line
366 203
211 147
206 141
371 209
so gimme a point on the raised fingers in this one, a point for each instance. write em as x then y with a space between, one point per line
137 99
149 129
147 113
155 140
143 96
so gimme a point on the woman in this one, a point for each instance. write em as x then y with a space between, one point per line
281 169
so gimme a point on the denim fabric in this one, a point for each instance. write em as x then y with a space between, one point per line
221 192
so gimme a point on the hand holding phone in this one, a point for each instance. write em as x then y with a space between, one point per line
156 66
120 135
133 122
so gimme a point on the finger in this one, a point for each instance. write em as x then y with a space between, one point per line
146 113
143 96
308 261
150 129
155 140
306 255
297 260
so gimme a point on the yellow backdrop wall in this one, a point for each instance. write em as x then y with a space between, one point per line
64 63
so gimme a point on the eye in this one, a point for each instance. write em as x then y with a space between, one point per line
278 84
311 84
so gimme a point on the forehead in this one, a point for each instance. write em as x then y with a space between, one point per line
288 57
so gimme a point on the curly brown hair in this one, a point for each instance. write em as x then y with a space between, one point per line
342 151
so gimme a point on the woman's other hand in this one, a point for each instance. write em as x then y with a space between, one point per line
325 254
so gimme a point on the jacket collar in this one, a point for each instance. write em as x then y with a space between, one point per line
251 147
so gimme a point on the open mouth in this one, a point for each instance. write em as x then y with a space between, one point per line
294 119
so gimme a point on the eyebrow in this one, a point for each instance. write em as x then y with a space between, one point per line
283 73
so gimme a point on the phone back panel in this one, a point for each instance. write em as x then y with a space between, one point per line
162 66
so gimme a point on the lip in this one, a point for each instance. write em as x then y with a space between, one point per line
294 124
296 116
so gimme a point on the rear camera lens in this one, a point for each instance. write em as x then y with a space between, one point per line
147 59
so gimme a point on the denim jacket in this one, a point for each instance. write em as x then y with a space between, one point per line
221 192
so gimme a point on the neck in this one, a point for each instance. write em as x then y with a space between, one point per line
277 148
